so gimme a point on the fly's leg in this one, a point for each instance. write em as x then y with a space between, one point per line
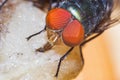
90 39
50 4
83 43
99 32
50 7
81 56
57 3
29 37
61 59
108 24
3 3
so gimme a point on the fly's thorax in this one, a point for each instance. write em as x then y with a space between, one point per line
89 12
75 11
73 8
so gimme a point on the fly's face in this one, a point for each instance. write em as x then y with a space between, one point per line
62 23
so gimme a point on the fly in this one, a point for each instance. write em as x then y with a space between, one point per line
77 22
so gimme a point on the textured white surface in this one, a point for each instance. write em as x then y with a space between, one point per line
18 53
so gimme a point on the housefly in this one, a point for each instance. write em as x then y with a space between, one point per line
77 22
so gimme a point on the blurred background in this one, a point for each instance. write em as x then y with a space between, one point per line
102 55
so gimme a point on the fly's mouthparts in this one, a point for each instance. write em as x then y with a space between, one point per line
52 39
49 44
46 47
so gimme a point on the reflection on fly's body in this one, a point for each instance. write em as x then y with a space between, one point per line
75 21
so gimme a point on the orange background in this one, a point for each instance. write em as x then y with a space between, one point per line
102 56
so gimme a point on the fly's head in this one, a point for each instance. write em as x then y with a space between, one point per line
60 23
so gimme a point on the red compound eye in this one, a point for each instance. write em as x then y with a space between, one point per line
57 18
73 33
